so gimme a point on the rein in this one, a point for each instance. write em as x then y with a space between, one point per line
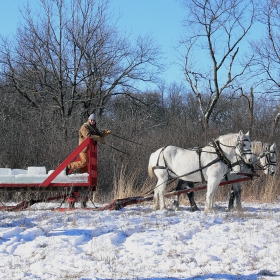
126 139
123 139
117 149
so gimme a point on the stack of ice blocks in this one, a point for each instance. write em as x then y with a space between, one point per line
37 175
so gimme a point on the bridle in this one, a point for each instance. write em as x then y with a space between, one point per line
268 159
242 152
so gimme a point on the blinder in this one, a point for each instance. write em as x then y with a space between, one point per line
268 158
242 151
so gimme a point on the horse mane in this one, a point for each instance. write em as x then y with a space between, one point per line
228 139
257 147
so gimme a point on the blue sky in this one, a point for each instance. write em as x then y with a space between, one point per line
160 18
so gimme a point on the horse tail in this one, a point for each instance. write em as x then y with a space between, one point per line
150 167
153 161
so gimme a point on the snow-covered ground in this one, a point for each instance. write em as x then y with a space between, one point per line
138 243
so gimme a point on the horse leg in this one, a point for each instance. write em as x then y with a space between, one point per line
181 186
161 192
156 201
235 193
231 198
176 202
190 185
212 186
159 202
192 202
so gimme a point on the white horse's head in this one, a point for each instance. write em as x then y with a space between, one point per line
237 145
268 158
243 147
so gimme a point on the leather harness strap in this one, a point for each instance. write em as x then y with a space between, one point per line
200 167
221 154
163 167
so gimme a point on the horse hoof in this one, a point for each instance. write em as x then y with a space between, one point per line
176 203
194 209
208 211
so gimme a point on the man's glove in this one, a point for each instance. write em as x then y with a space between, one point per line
105 133
98 139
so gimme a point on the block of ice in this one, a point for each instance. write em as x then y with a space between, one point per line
5 171
62 173
19 171
39 178
7 179
61 179
79 177
20 178
34 170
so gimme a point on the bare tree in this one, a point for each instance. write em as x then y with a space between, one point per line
72 60
267 56
212 62
250 100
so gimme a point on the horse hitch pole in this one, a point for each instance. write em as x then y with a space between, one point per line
250 175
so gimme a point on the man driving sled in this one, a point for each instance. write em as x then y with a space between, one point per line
88 129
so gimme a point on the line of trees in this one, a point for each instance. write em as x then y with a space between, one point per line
70 61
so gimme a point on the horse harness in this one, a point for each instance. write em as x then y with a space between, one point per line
218 150
267 155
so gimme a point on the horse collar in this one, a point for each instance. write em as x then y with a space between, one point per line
221 154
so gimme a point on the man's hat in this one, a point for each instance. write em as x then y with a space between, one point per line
92 117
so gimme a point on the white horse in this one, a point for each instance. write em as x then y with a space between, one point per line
264 156
209 163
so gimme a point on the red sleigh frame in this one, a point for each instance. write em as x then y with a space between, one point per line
48 182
